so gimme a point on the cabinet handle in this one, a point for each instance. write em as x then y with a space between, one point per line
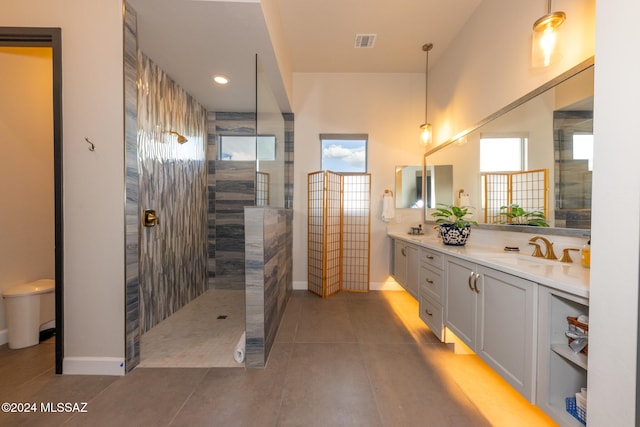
470 278
428 312
475 283
428 257
403 252
428 280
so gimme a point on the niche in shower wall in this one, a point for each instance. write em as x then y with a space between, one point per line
172 181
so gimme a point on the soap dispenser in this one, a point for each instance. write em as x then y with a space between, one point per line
586 254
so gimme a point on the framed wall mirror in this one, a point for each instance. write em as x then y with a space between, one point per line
536 153
408 185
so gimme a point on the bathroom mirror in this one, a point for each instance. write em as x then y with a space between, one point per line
408 189
552 128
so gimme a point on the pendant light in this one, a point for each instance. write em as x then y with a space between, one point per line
426 126
545 33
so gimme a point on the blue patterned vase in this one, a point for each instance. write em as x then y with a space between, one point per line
454 236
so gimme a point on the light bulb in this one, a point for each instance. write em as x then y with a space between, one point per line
547 44
426 133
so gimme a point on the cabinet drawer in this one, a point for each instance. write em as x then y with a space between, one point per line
431 282
433 258
431 314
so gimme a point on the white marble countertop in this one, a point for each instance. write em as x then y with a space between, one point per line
568 277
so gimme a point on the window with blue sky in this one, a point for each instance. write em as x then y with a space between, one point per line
344 152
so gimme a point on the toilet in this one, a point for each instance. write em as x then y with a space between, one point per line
30 308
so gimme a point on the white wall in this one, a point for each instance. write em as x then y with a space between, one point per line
26 168
388 107
488 65
616 196
93 181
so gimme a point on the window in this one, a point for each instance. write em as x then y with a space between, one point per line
503 154
583 148
344 152
499 153
262 147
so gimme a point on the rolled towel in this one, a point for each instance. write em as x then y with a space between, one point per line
238 353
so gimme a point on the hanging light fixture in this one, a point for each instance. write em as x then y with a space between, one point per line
545 33
426 126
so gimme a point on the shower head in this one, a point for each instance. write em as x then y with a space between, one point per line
181 138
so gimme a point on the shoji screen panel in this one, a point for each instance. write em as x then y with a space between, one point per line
315 234
356 227
338 232
333 234
496 194
528 189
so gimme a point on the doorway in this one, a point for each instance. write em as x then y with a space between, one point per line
24 37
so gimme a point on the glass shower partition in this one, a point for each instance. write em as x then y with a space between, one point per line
268 226
270 144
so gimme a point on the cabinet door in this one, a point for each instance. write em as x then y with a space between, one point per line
461 308
507 329
413 270
399 262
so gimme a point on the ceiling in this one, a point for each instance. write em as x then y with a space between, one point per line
194 39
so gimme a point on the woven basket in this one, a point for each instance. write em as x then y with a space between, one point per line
585 327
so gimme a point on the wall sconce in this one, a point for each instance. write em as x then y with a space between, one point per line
426 126
545 33
181 138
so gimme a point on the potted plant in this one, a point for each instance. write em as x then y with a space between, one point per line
516 215
454 227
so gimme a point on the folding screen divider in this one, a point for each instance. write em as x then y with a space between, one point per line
339 230
527 189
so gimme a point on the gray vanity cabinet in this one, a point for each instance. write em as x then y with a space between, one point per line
494 314
431 290
406 261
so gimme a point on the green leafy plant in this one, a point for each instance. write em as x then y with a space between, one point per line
454 215
517 215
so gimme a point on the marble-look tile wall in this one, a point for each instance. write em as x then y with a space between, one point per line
572 177
231 186
173 182
269 281
288 160
132 216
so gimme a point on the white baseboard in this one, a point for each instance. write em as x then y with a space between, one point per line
4 336
373 286
93 366
300 286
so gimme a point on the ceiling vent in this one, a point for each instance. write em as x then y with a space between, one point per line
364 40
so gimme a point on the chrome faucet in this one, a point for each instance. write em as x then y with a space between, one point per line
549 254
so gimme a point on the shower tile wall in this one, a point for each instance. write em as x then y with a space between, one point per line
231 187
132 218
288 160
573 178
269 243
172 181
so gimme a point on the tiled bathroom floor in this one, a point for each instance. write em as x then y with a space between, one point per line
350 360
202 334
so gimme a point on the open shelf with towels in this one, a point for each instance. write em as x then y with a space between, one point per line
561 371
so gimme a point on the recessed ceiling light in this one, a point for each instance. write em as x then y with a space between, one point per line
221 80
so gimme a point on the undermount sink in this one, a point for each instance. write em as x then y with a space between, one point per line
423 238
521 259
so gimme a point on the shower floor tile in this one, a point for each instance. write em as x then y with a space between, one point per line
202 334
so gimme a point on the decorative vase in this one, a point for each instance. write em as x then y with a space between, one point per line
454 236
